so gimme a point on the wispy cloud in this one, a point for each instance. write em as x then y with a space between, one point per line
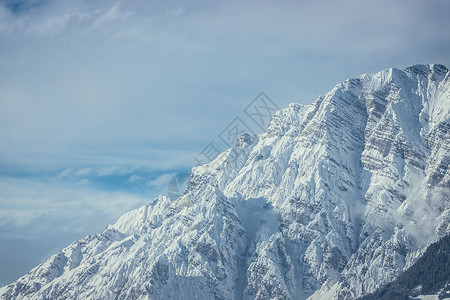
80 79
161 181
135 178
24 202
83 172
48 215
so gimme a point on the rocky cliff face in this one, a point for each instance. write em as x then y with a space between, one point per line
335 199
427 278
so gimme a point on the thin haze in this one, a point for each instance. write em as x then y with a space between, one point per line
101 102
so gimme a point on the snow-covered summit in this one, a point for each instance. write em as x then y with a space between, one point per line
333 200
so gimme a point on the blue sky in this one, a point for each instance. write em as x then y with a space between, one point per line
102 102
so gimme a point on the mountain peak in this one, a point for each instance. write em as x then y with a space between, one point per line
426 68
295 106
245 140
334 200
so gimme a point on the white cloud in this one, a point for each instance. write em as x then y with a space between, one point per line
38 218
83 172
84 182
25 203
162 180
64 173
135 178
114 80
111 170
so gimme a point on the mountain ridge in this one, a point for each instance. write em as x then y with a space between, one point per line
333 200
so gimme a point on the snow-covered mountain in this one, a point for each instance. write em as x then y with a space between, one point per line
427 278
332 201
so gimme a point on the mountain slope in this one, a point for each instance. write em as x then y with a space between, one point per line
332 201
428 276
